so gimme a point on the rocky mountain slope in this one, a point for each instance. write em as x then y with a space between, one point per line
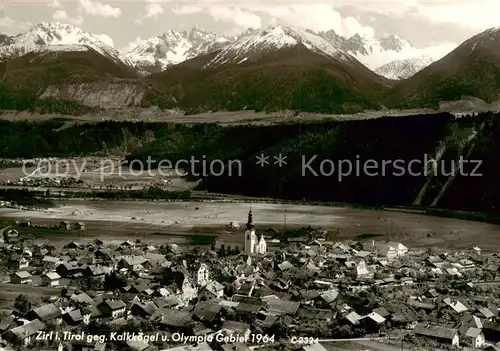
157 53
103 95
404 68
55 65
371 51
61 81
39 69
472 69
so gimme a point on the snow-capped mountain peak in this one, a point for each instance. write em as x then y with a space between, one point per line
393 42
332 37
172 47
274 37
374 52
47 36
404 68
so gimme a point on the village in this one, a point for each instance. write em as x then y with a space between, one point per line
250 290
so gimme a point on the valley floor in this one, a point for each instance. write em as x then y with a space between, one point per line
176 221
232 118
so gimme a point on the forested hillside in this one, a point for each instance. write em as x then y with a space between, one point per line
381 143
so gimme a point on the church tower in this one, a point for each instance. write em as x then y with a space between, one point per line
250 237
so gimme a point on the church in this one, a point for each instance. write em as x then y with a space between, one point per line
249 242
253 244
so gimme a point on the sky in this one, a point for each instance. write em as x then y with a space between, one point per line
426 24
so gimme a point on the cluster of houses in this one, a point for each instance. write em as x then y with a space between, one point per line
44 182
345 289
10 235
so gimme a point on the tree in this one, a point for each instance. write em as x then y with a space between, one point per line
92 283
346 331
22 305
115 282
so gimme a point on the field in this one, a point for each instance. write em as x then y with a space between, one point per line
163 221
237 117
94 171
11 291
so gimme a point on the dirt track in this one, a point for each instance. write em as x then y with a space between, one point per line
184 217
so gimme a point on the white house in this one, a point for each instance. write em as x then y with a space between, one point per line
51 279
362 271
113 308
476 337
390 250
202 274
189 291
253 244
262 245
216 289
400 248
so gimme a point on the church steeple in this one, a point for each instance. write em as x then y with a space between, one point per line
250 220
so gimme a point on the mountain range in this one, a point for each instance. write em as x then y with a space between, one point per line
271 68
159 52
172 47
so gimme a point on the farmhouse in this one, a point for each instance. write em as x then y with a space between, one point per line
113 308
475 337
10 235
93 271
214 290
73 317
20 278
51 279
134 263
44 313
23 333
441 334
